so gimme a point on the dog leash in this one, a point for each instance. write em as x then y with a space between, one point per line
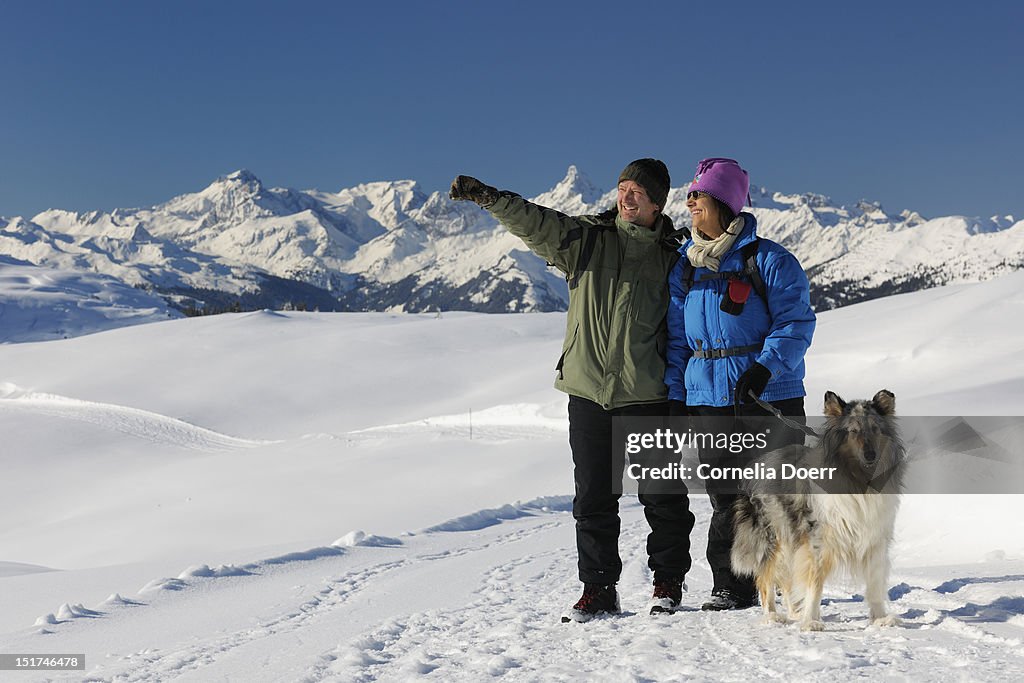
785 420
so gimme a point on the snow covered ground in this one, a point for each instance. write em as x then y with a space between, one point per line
40 303
354 497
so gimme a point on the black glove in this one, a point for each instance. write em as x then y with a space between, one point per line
754 379
467 187
678 409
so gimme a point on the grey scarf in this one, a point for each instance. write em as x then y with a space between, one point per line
708 253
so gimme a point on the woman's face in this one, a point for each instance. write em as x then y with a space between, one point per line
706 216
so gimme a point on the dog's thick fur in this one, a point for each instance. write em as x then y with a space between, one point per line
793 541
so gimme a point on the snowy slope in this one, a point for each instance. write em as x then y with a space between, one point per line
297 496
38 304
389 246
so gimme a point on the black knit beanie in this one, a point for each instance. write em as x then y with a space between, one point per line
652 175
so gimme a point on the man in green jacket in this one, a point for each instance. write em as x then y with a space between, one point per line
612 365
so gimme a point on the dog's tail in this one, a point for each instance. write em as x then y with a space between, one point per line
754 543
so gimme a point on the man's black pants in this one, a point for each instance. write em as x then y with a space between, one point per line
723 493
598 473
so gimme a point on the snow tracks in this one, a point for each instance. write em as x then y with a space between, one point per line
481 597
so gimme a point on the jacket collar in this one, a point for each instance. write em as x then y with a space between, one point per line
662 228
749 232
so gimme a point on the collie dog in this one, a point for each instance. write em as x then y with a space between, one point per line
793 541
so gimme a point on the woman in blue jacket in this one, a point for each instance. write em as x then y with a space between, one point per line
739 321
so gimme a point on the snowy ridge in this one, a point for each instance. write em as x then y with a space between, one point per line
390 246
497 423
20 568
138 423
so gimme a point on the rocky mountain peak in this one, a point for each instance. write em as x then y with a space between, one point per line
575 193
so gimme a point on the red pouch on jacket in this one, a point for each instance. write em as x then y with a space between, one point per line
736 294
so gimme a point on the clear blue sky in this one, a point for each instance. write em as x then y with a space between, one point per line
120 104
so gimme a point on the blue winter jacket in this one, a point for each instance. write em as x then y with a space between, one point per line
784 325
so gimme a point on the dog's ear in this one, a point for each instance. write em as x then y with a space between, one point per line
885 402
834 405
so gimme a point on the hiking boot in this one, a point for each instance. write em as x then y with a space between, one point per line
596 600
724 599
668 593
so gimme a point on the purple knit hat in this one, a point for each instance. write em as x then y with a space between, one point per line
724 180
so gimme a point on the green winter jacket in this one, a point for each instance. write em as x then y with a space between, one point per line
615 334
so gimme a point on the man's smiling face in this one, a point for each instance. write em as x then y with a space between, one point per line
635 206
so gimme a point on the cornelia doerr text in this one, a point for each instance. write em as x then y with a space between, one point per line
706 472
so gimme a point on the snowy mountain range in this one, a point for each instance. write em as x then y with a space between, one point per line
389 246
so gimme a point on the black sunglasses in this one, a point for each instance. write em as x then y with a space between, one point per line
695 195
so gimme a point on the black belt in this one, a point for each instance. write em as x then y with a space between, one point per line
714 354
